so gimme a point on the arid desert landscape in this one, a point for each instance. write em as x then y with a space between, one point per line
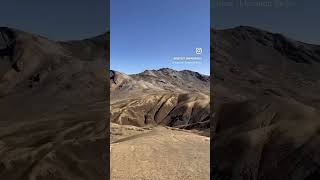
54 121
266 101
53 103
160 125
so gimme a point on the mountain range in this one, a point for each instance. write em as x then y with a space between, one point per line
165 96
160 123
266 106
264 92
53 107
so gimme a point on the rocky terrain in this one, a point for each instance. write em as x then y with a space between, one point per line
53 103
54 108
158 153
54 114
160 97
160 125
266 103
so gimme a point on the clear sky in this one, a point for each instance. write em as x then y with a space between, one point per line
148 34
296 19
57 19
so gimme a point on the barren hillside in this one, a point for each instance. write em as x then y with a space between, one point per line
266 95
164 96
160 123
53 118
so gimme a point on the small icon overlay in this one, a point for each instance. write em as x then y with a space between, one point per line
199 51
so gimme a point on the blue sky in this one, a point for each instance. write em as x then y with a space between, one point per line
148 34
58 19
296 19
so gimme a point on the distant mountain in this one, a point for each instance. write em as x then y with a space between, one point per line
266 100
164 79
164 96
52 107
160 113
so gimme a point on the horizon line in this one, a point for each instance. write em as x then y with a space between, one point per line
158 70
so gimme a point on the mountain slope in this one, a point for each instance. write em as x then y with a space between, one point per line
266 122
159 153
164 79
164 96
143 109
53 108
259 62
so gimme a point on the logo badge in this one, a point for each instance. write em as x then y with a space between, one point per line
199 51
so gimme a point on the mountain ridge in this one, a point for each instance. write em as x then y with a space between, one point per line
160 97
308 53
164 78
266 106
53 108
